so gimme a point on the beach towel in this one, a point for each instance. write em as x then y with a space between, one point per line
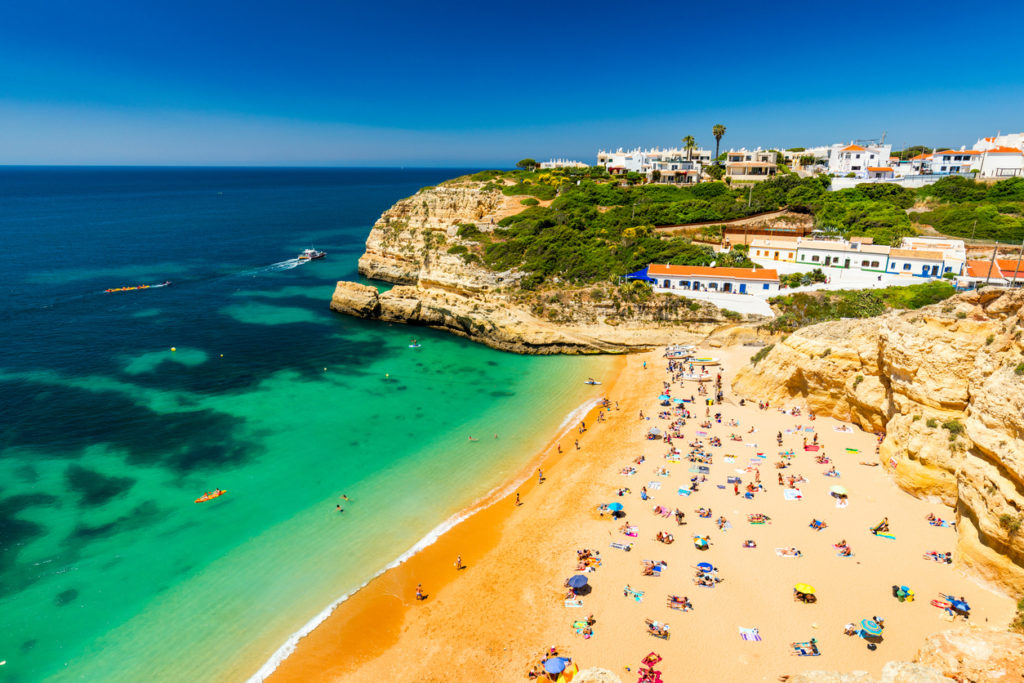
632 593
781 552
684 492
761 455
721 486
811 447
574 603
788 431
749 634
841 502
654 485
702 433
733 480
694 469
580 627
853 450
808 429
844 428
728 459
622 546
750 445
792 494
883 534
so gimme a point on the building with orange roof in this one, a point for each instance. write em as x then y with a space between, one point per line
1015 140
1001 162
857 159
683 279
955 161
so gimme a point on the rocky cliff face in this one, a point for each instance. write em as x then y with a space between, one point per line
975 656
493 320
409 246
946 385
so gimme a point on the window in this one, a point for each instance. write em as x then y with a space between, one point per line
713 286
906 266
815 258
874 264
764 286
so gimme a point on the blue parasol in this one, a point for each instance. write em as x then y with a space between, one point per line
578 581
705 566
664 397
960 605
679 400
871 627
614 507
555 665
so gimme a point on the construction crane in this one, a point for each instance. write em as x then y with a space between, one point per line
873 141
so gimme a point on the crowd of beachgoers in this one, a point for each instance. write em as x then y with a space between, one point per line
725 492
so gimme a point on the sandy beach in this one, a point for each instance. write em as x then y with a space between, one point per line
506 607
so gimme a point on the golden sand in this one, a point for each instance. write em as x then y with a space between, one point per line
492 619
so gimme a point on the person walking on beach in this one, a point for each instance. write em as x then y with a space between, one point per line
577 444
458 563
540 476
419 591
517 499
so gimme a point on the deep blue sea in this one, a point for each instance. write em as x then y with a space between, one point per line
108 569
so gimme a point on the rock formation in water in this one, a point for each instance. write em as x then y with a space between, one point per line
945 383
410 246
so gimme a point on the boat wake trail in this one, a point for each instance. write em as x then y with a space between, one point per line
275 267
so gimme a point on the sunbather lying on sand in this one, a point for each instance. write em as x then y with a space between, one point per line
656 628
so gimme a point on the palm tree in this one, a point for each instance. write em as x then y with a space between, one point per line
718 130
689 144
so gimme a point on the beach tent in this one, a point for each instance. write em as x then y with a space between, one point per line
555 665
838 490
614 507
804 588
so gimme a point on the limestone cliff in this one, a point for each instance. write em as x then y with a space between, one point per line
978 656
411 246
498 322
945 385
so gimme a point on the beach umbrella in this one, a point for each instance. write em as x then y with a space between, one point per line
804 588
614 507
871 627
555 665
578 581
960 605
664 397
654 431
679 400
705 566
838 490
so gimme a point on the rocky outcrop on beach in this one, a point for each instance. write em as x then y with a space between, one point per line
500 323
442 284
965 656
945 383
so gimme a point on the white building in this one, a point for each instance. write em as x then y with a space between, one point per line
677 171
915 262
1001 162
954 161
1015 140
954 253
743 165
562 163
858 253
682 279
775 248
642 161
856 159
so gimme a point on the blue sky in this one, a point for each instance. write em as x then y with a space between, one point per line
343 83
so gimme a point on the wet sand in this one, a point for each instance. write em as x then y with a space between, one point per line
494 617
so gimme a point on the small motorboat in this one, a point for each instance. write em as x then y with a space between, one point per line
311 255
703 361
210 495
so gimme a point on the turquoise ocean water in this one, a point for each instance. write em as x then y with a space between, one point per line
108 570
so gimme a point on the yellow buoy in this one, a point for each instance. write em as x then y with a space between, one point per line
222 355
173 349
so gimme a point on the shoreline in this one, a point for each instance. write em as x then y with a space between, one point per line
370 615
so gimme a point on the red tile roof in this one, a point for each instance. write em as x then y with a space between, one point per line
921 157
853 148
706 271
961 151
879 169
981 269
1004 150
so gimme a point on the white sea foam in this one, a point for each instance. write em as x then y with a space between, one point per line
492 496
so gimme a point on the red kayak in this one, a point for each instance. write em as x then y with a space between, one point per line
210 496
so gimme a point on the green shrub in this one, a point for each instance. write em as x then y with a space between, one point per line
529 201
1011 523
826 352
954 428
1019 370
761 354
960 315
932 423
1018 621
989 339
459 249
857 380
